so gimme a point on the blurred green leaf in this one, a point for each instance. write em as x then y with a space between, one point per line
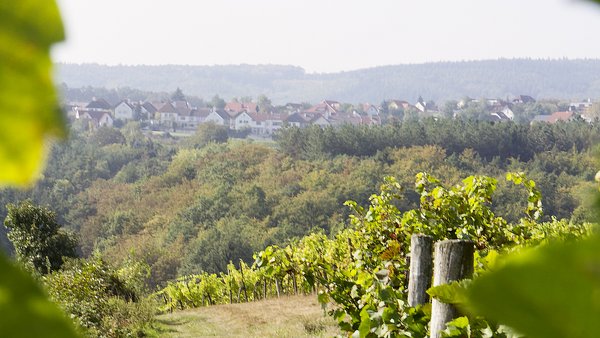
548 292
453 293
26 310
29 112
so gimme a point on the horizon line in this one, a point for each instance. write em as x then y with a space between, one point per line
318 72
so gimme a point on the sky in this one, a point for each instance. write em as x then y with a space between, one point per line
324 36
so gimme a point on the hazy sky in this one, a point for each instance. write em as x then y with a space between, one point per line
325 35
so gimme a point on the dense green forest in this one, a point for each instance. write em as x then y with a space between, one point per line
563 79
188 205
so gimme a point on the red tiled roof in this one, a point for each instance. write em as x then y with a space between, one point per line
560 116
239 107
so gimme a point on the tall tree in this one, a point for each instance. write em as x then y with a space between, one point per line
178 95
38 239
264 104
217 102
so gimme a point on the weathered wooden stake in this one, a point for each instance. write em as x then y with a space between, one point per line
243 282
295 283
421 269
453 261
277 287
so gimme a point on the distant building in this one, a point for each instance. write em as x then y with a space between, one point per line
555 117
124 111
98 105
95 118
523 99
219 117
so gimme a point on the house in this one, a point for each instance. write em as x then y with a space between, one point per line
72 108
399 105
190 119
266 124
219 117
182 107
555 117
497 116
561 116
345 118
503 113
374 120
168 115
96 118
327 108
320 120
421 105
124 111
428 107
508 112
494 102
242 120
149 109
296 120
521 99
293 107
98 105
234 108
370 110
582 106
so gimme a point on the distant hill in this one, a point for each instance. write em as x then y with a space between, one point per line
564 79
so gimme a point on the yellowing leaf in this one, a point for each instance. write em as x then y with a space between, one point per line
29 112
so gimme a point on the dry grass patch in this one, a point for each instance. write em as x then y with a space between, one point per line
295 316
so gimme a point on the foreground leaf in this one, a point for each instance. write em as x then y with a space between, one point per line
26 310
29 111
549 292
453 293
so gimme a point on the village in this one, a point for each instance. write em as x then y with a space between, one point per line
263 120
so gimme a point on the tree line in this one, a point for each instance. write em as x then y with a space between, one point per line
488 139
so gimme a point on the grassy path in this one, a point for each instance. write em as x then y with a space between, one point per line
295 316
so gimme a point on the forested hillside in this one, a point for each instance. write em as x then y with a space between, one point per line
562 79
185 205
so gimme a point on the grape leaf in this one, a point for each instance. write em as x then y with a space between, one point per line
548 292
26 310
29 111
28 115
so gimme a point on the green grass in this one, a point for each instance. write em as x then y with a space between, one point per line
295 316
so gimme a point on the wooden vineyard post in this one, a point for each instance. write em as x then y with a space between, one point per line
243 282
453 261
277 287
421 269
295 283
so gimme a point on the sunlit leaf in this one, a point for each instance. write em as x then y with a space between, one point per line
29 112
547 292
